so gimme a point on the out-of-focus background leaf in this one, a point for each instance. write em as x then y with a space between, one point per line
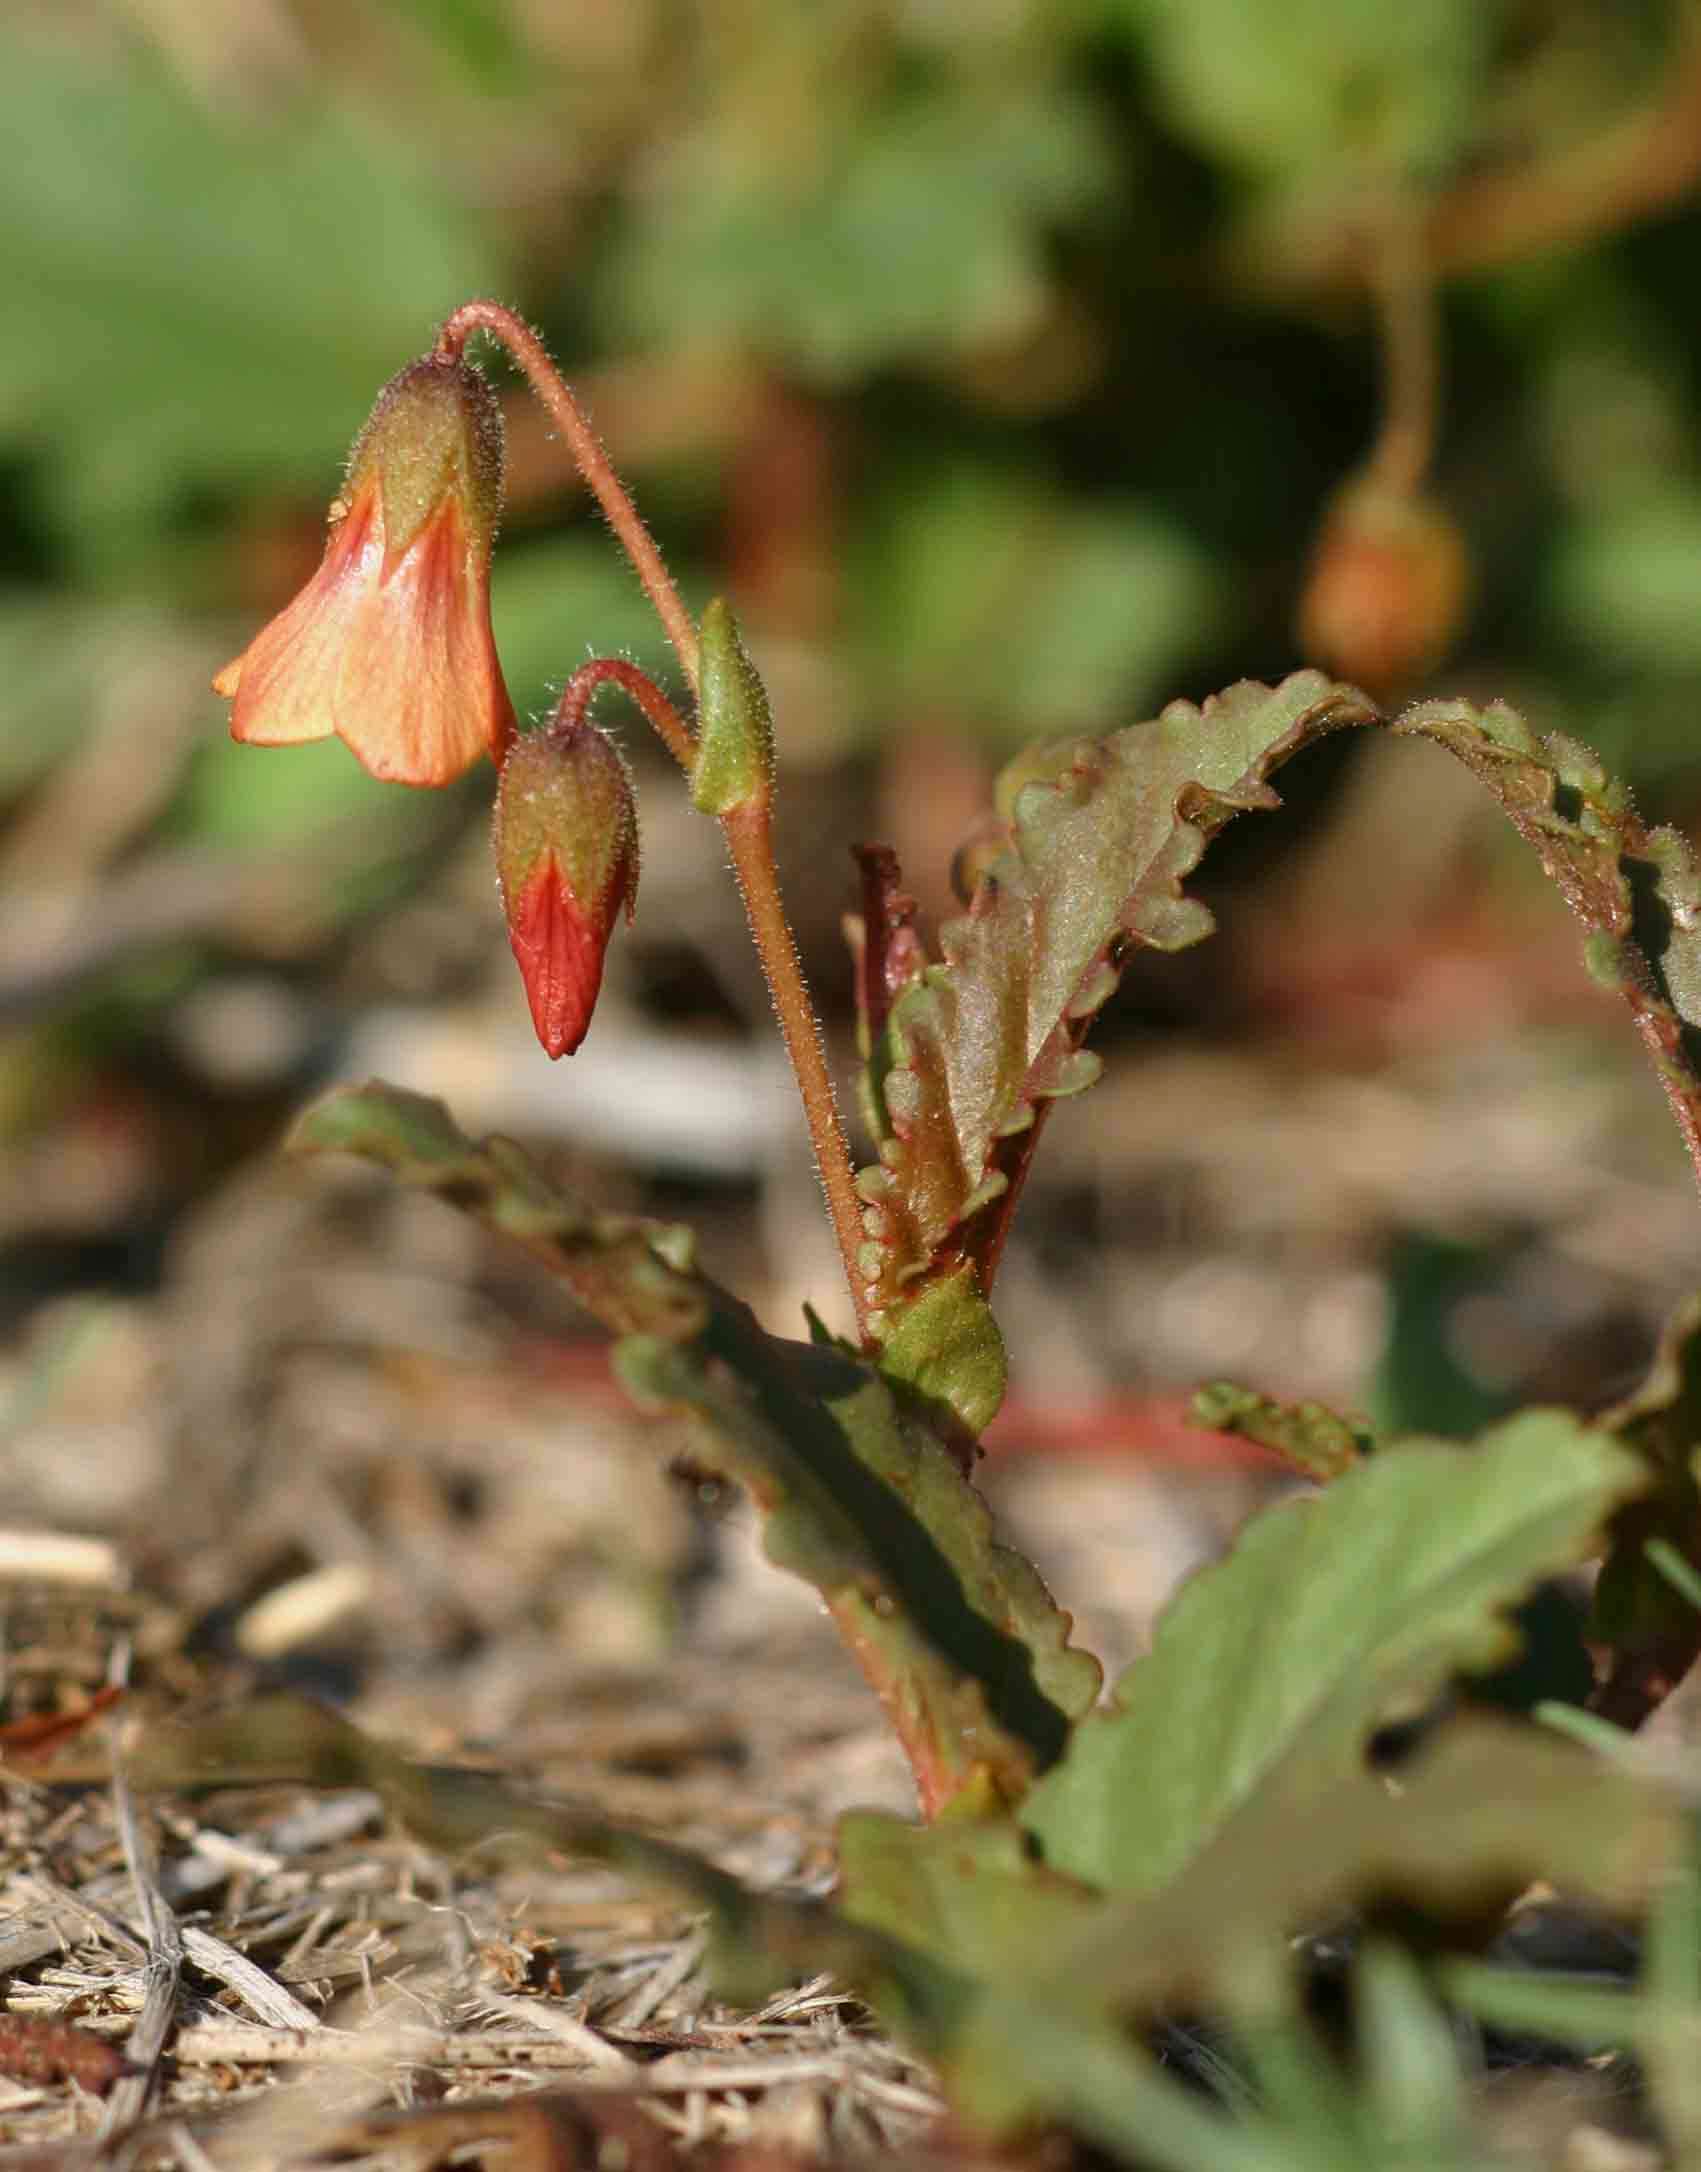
998 358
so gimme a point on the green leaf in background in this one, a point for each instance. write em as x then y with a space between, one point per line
1469 1821
1623 584
59 661
1327 1609
292 796
1103 832
812 247
1290 87
1039 1965
268 270
986 594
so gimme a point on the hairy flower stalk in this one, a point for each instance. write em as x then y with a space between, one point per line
389 646
566 839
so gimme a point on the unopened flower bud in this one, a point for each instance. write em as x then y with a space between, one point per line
389 645
1388 588
566 841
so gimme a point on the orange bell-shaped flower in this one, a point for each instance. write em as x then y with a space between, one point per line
566 839
389 645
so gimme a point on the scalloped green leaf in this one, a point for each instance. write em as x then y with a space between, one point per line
1326 1612
1477 1814
1101 835
947 1349
1315 1439
861 1496
1473 1818
956 1633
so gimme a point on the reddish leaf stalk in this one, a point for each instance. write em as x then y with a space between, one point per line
594 465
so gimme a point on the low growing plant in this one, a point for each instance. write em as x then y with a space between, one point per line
1079 1869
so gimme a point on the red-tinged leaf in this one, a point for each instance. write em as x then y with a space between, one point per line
888 955
979 1042
1635 890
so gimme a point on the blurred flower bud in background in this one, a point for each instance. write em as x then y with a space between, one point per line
1389 584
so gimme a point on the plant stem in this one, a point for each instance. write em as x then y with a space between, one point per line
748 829
580 690
594 464
749 834
1404 288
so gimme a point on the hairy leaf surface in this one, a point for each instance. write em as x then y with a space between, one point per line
1316 1440
1101 835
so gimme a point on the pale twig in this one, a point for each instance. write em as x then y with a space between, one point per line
264 1997
164 1972
567 2028
217 2043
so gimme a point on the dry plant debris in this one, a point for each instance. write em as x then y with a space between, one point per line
265 1977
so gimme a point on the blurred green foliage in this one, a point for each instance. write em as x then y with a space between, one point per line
998 359
1074 437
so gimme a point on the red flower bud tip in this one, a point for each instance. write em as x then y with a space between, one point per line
1389 584
389 645
566 841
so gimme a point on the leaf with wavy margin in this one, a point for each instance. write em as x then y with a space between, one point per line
1636 890
861 1495
976 1044
1326 1611
959 1637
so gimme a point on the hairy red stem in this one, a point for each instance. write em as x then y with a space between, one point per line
580 690
749 833
594 464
